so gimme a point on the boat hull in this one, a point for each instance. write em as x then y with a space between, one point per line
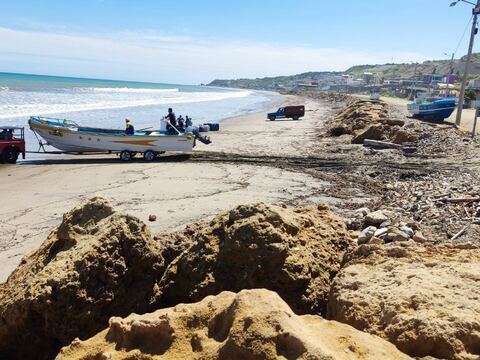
73 139
436 110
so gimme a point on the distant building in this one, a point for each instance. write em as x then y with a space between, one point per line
431 78
351 81
474 84
450 79
368 77
308 84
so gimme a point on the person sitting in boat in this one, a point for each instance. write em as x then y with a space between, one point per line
188 121
172 121
181 123
129 129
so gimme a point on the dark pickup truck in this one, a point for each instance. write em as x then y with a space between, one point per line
288 112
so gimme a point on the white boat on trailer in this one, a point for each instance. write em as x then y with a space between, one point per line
70 137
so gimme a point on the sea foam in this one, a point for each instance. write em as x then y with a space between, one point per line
27 103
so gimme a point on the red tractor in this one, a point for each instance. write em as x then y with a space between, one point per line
12 143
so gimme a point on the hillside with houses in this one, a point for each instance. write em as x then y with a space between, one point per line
396 79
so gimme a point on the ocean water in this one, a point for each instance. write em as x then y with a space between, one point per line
106 103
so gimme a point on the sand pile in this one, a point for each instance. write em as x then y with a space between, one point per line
370 119
253 324
293 252
425 300
98 263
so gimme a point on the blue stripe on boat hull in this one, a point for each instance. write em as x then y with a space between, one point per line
436 110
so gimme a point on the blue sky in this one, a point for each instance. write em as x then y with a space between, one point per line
188 41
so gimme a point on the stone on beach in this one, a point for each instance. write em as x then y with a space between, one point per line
395 234
376 218
253 324
425 300
366 234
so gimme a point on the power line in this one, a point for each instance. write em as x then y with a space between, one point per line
464 32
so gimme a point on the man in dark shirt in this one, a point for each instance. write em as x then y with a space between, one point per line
172 119
181 123
129 129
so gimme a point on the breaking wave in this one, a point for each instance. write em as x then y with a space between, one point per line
28 103
131 90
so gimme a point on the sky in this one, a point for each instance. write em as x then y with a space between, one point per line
196 41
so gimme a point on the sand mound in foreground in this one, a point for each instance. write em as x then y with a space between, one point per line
253 324
98 263
293 252
425 300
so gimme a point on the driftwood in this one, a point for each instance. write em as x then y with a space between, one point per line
475 221
460 233
381 144
459 200
376 144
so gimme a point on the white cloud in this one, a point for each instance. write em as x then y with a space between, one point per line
170 58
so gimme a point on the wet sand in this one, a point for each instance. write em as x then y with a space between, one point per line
176 188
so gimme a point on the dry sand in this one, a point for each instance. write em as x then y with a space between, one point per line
178 190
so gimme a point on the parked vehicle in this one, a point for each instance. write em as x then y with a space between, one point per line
288 112
12 143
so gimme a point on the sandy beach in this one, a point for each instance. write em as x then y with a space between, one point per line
337 216
177 189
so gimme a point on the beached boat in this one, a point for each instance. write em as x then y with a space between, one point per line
70 137
436 109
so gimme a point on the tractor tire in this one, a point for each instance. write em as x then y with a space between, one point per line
10 155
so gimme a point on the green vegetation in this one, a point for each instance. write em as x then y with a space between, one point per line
384 71
273 83
470 95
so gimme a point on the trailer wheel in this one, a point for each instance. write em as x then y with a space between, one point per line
10 155
272 118
149 155
125 155
295 117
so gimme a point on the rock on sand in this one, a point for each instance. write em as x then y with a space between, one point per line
253 324
425 300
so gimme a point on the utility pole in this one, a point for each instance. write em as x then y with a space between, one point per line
451 64
461 100
450 69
